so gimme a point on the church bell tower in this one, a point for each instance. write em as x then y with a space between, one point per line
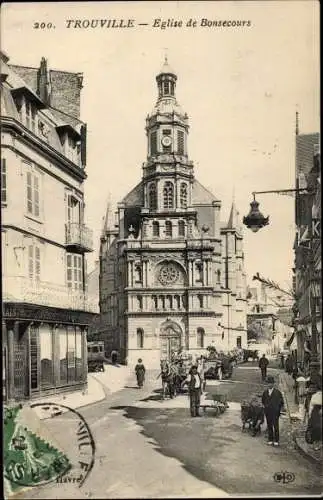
167 173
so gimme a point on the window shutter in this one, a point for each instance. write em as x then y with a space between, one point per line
31 261
180 142
36 196
83 144
37 263
29 193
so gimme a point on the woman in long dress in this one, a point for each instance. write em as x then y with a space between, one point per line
140 373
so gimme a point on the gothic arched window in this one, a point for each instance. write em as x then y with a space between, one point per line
155 228
168 229
152 197
140 338
183 195
181 228
200 337
168 195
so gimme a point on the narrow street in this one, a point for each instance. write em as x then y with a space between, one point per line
150 448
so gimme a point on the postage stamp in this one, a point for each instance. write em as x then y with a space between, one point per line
46 443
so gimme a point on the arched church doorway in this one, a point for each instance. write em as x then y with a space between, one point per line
170 339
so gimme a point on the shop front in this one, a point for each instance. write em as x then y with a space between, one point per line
44 351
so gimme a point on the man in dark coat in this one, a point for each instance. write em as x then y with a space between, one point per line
273 402
263 363
194 383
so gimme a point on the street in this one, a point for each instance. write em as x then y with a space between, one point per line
150 448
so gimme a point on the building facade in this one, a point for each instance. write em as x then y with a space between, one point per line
307 247
269 318
171 275
44 239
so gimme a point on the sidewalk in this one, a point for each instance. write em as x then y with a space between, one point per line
100 384
286 383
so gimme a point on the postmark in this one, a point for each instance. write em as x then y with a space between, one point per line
44 443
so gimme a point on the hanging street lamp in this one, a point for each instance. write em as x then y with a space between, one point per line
255 221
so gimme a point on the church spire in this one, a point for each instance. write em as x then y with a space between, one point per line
233 222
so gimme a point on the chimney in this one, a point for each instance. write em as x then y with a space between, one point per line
44 82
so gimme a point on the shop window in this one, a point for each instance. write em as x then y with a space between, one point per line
168 229
152 197
33 194
34 355
200 337
140 338
74 272
46 356
168 195
63 355
78 354
71 371
156 229
3 180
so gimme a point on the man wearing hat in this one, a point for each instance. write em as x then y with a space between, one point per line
194 383
273 402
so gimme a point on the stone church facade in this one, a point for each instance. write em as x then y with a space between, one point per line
171 275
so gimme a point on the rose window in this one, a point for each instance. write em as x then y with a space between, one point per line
168 274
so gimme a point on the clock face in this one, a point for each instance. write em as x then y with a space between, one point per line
166 141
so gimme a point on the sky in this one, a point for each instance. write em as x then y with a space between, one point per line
240 86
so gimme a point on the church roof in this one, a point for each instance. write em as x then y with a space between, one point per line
201 195
233 221
166 69
135 197
305 152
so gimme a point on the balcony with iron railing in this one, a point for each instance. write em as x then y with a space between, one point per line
78 237
24 290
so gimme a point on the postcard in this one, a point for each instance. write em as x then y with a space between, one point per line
161 249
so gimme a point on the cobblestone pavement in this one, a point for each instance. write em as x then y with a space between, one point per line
150 448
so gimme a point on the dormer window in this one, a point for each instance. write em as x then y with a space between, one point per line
30 116
28 104
70 140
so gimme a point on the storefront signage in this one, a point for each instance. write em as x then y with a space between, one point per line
316 229
37 313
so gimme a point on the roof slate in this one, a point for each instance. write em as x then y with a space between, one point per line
305 152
